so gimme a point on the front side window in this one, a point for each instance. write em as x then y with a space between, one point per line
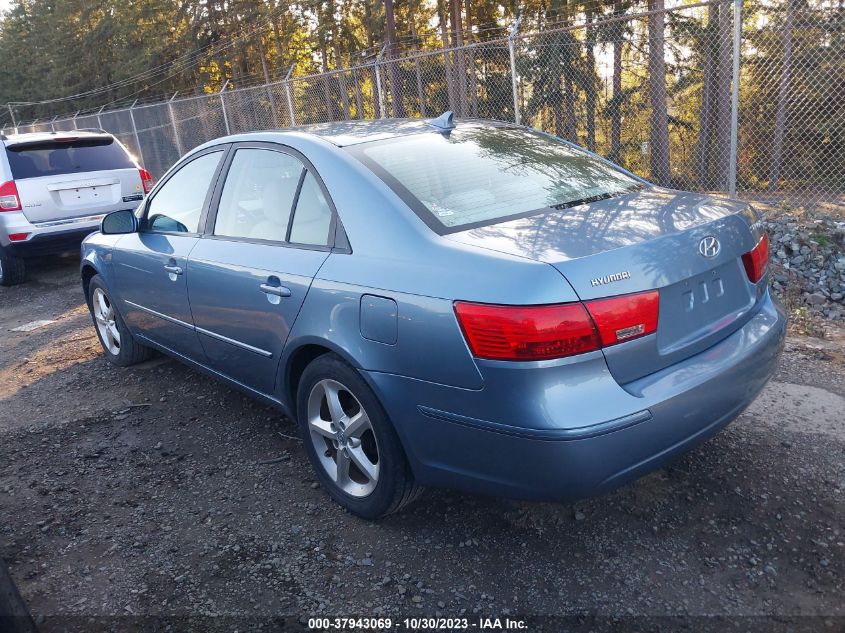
177 206
481 175
258 195
62 157
313 217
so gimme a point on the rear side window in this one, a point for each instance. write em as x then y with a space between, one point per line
313 217
480 175
55 158
258 195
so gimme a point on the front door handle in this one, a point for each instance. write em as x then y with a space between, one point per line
173 270
279 291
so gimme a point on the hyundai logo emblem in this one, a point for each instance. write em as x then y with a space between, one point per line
709 247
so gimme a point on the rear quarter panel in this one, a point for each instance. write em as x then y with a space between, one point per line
395 256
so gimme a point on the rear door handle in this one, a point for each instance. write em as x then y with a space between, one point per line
175 270
279 291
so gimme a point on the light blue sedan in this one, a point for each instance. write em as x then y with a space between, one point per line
467 304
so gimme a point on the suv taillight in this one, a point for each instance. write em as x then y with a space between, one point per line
146 180
757 259
502 332
9 199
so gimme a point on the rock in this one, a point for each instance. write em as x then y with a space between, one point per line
816 299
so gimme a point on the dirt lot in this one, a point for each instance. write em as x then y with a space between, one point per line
147 492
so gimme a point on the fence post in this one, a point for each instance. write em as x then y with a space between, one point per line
99 121
53 123
135 132
12 114
173 123
732 166
74 118
381 105
289 97
223 107
512 52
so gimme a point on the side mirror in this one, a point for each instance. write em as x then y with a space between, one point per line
119 223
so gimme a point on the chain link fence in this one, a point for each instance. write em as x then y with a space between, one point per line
653 91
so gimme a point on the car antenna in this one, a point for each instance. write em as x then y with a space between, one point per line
444 123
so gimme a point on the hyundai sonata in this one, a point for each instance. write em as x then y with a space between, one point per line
467 304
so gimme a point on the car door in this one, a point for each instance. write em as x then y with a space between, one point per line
270 230
150 266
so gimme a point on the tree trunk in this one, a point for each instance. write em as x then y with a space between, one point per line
460 62
783 97
447 67
332 113
393 68
341 77
277 38
473 79
259 39
616 104
570 127
557 110
417 70
590 79
722 100
705 130
659 128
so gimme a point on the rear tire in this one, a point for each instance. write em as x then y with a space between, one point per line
351 442
12 269
119 346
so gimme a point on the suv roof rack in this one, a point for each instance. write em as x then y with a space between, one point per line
89 129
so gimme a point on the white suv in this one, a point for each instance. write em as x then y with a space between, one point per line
56 187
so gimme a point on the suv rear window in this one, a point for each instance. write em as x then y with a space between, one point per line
477 176
54 158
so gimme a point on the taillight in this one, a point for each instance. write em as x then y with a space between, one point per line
146 180
500 332
526 332
18 237
625 317
757 259
9 199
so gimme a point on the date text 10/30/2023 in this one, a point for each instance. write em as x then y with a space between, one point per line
417 624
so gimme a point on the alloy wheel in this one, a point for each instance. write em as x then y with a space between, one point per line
343 438
105 315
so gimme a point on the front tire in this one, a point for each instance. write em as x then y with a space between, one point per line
119 346
12 269
351 442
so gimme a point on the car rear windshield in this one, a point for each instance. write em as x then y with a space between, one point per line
477 176
55 158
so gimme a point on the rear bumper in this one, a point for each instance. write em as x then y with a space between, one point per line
45 237
555 452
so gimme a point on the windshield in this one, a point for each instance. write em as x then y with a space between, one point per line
481 175
59 157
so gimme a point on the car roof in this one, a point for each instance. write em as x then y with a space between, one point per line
37 137
344 133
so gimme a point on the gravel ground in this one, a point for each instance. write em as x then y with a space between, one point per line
154 491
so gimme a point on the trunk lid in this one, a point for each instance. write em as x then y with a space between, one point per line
60 177
66 196
645 240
